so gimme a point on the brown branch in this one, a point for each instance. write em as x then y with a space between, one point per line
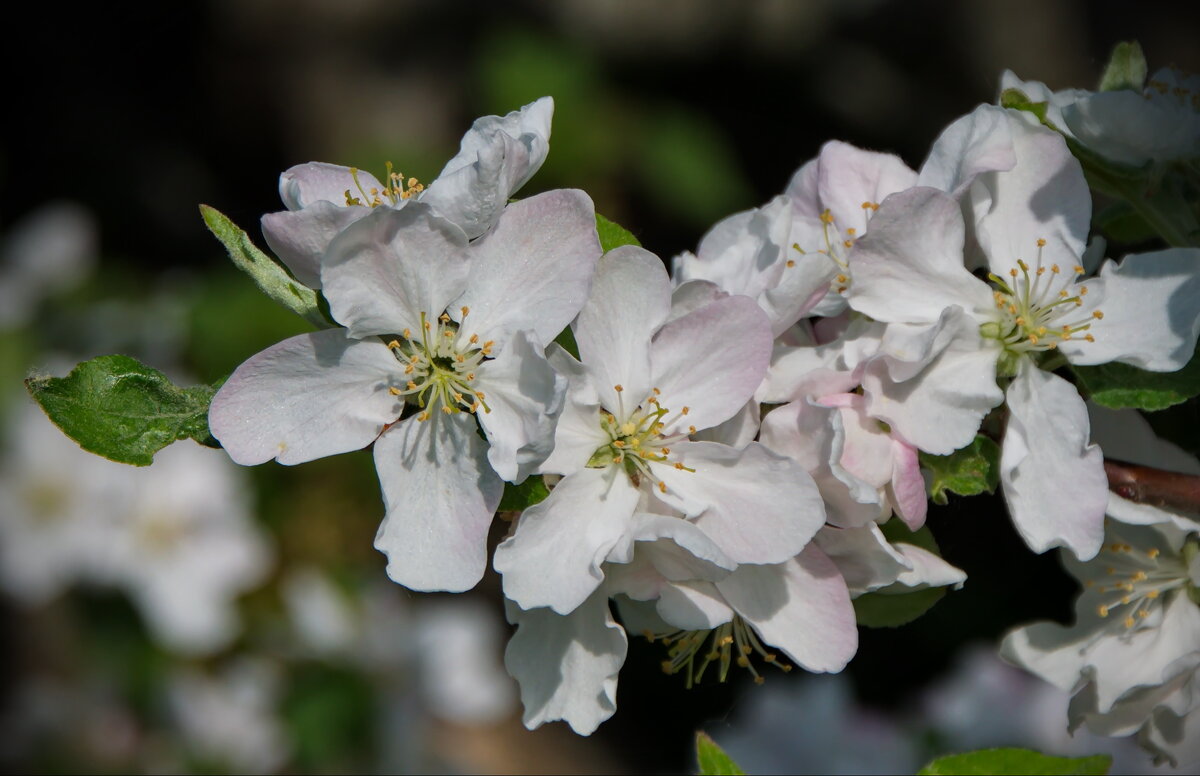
1156 487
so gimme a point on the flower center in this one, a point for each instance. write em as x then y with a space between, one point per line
636 439
1037 308
440 367
733 642
1183 95
395 190
838 243
1137 580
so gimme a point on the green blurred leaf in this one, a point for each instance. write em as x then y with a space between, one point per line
613 235
1126 68
329 714
121 409
1120 385
1017 761
1018 100
968 472
882 609
270 276
1122 223
519 497
712 759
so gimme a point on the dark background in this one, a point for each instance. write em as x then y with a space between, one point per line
670 114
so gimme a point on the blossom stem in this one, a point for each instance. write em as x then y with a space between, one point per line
1156 487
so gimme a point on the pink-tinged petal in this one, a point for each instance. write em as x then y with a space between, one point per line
301 237
744 253
909 267
692 296
803 190
801 606
907 488
866 449
850 176
306 184
440 495
496 157
524 395
1053 480
738 431
759 507
310 396
977 143
710 361
383 271
578 433
940 409
677 549
799 372
533 270
554 557
928 569
801 288
693 606
1151 309
864 557
630 299
1044 196
566 666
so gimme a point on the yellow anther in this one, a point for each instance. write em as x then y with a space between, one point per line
843 279
679 466
423 416
1143 614
1020 320
1102 610
691 429
1089 338
656 392
684 411
474 339
1021 263
1079 270
408 370
662 486
458 396
1041 271
618 443
394 345
852 231
1097 315
1063 294
759 680
1041 243
1152 594
1129 622
1054 268
618 388
1013 272
479 395
470 376
411 385
444 318
789 263
1125 599
827 217
428 326
446 409
1139 576
394 391
465 311
743 661
1033 340
1041 330
666 451
475 406
1152 553
460 358
848 243
407 333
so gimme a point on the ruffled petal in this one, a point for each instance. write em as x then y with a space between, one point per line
533 270
307 397
693 606
554 557
744 253
757 506
440 495
979 142
524 395
566 666
1053 480
850 176
301 237
801 606
1151 309
306 184
386 269
864 557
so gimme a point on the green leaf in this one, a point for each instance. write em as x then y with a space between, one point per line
1018 100
613 235
1126 68
1122 223
1120 385
1017 761
883 609
519 497
968 472
270 276
121 409
566 339
712 759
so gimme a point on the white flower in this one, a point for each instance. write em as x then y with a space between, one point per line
49 251
177 536
1160 124
910 272
452 331
653 374
498 155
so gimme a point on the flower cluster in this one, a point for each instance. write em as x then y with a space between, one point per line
727 444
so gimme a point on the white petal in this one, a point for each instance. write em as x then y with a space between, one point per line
497 156
567 666
306 184
1151 308
744 253
301 237
1128 436
310 396
383 271
1054 481
977 143
801 606
693 606
850 176
738 431
523 395
554 557
803 289
710 361
928 569
440 495
757 506
533 270
909 267
677 548
692 296
907 488
629 301
864 557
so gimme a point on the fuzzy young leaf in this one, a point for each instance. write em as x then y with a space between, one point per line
1013 761
520 497
1126 68
967 472
1018 100
613 235
121 409
712 759
270 276
1120 385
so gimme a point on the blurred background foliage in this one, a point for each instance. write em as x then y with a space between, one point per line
670 114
